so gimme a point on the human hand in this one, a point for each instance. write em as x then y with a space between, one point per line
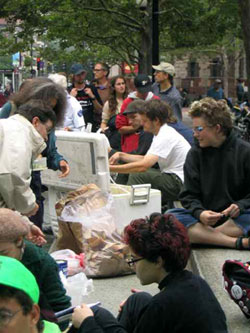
80 314
64 167
208 217
121 305
232 211
36 235
74 92
67 129
114 158
89 92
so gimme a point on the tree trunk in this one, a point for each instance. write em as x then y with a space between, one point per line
244 10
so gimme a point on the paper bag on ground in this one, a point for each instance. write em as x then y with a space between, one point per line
86 224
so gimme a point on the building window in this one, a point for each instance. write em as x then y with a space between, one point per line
193 69
216 68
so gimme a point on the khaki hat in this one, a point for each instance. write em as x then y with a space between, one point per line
165 67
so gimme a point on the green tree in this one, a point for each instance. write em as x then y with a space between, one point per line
115 31
244 10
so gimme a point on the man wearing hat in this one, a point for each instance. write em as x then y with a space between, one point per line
19 295
168 149
216 90
164 88
129 137
87 95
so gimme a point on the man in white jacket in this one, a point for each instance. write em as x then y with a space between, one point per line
22 139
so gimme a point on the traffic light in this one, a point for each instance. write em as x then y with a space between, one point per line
38 63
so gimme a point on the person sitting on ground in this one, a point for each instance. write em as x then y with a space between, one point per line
13 231
73 120
129 137
19 295
216 193
160 250
168 148
112 107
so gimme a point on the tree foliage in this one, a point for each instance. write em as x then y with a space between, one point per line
113 31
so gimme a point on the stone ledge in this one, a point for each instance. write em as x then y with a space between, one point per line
208 262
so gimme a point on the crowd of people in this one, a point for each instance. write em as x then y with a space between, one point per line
205 168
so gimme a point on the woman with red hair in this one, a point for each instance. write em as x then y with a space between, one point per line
160 251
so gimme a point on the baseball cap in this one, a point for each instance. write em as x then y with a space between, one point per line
218 81
134 107
14 274
142 83
77 69
165 67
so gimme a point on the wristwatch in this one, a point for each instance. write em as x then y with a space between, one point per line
93 98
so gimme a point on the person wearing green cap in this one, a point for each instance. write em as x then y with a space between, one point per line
53 298
19 295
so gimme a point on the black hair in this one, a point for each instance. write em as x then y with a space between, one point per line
22 299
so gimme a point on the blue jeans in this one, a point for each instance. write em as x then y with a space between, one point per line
187 219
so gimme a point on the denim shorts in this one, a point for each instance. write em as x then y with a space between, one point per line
187 219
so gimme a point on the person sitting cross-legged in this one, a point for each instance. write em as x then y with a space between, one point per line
168 148
160 249
216 193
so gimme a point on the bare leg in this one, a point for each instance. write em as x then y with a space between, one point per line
230 228
202 234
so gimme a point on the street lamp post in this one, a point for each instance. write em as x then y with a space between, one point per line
155 32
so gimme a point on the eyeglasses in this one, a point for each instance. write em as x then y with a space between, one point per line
200 128
97 70
6 316
132 261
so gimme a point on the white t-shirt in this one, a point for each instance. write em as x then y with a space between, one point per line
171 148
73 116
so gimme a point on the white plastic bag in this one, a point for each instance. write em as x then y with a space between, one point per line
75 262
78 286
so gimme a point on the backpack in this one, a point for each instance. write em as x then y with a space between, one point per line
236 278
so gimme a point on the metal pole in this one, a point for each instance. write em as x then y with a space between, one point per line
155 32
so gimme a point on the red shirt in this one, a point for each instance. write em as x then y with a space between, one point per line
129 142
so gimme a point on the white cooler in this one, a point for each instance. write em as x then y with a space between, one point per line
87 155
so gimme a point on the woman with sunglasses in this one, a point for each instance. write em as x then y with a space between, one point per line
118 92
160 251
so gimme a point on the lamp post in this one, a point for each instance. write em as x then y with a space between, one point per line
155 32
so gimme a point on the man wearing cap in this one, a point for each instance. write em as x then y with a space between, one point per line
129 137
88 97
168 149
164 88
216 91
19 295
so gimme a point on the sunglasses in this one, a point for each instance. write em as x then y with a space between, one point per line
200 128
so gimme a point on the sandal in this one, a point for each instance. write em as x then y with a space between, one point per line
239 243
